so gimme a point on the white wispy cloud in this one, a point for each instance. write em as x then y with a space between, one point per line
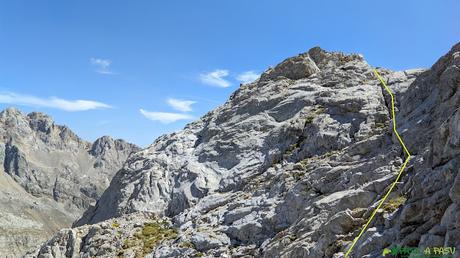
216 78
181 105
165 117
247 77
52 102
102 65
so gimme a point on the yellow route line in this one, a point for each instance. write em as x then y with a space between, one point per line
408 155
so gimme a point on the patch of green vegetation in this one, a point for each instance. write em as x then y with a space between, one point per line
358 212
115 224
394 203
330 153
320 110
313 114
292 237
291 149
309 119
297 175
304 162
199 254
187 244
129 243
154 232
380 125
148 237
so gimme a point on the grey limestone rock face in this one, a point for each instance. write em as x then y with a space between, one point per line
293 165
323 112
293 68
49 177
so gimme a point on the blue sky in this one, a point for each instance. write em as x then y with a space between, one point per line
144 68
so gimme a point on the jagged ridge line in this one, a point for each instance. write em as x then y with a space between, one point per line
400 171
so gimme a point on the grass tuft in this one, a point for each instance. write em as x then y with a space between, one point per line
393 204
187 244
145 240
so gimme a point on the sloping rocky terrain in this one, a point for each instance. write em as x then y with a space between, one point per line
291 166
49 177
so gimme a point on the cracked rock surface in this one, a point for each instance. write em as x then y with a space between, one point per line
292 165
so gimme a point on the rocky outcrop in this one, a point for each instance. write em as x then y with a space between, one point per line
49 177
262 121
293 164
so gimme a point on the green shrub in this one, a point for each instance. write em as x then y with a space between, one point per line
154 232
297 175
313 114
187 244
288 152
149 236
394 203
304 162
292 237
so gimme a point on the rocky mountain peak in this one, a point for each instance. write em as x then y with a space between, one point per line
102 145
11 111
308 63
49 168
293 165
293 104
294 68
325 59
40 122
108 151
12 117
106 143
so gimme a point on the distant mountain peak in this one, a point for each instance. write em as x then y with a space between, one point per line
49 166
